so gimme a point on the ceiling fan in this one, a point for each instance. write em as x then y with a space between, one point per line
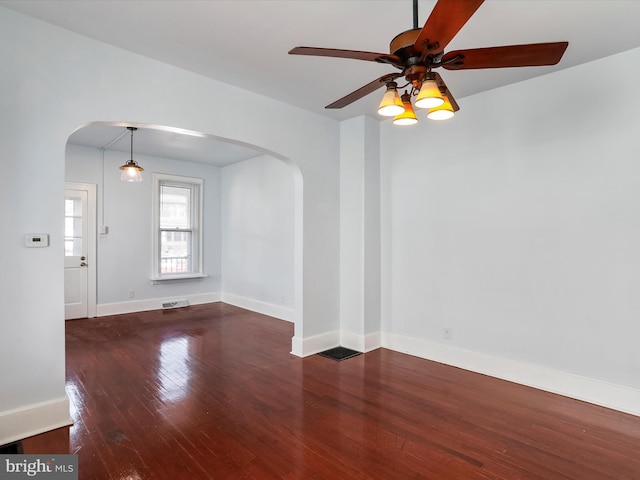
416 52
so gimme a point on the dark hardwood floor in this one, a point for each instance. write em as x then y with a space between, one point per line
211 392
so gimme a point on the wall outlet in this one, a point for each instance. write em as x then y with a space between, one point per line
447 334
132 293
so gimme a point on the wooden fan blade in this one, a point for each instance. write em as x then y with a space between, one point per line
364 91
444 22
532 55
443 87
354 54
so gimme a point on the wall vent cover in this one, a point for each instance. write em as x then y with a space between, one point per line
174 304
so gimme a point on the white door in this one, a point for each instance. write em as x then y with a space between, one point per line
79 251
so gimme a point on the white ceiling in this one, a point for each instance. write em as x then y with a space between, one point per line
156 141
245 42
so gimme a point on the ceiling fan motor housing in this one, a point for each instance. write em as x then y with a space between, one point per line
402 44
416 68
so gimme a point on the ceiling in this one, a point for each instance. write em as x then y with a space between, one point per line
245 43
167 142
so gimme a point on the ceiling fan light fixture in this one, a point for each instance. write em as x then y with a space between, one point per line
418 51
429 96
131 171
391 104
443 112
408 117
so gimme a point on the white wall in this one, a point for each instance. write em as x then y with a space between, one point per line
518 229
360 281
53 82
258 236
124 257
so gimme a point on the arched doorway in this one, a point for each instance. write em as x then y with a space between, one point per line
94 152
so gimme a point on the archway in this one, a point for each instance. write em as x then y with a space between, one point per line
94 151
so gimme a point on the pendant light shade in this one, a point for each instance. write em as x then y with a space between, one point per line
429 96
391 104
443 112
408 117
131 171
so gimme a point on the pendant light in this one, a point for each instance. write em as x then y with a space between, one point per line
408 117
443 112
429 95
131 171
391 105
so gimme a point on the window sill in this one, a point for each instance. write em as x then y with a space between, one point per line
177 277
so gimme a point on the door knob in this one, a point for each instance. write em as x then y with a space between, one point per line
83 264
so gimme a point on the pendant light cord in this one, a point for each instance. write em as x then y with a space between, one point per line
102 150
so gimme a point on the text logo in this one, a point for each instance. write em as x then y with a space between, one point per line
50 467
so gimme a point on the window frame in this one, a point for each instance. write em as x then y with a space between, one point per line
196 185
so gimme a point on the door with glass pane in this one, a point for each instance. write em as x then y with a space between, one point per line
78 289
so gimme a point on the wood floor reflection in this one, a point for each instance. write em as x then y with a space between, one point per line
211 392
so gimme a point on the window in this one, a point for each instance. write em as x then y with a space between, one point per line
72 226
177 229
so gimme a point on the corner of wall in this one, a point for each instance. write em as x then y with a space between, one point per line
269 309
304 347
361 343
34 419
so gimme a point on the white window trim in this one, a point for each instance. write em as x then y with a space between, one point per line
155 234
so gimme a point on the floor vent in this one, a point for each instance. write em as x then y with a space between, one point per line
339 353
174 304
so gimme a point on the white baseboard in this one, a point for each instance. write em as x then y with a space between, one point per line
277 311
617 397
34 419
372 341
303 347
133 306
351 340
297 346
361 343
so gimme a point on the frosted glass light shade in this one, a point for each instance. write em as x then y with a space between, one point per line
429 96
391 104
408 117
131 172
443 112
